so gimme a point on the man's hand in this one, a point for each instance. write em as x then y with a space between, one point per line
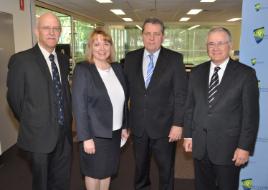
188 144
240 157
124 134
175 133
89 146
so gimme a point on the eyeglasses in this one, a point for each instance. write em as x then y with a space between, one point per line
218 44
53 29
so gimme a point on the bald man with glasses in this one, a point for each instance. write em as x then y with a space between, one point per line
39 96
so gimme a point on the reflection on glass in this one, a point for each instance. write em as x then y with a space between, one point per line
191 43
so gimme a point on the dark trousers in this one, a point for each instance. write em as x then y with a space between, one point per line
52 171
209 176
164 154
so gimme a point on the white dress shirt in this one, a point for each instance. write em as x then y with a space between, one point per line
146 61
220 72
46 56
116 95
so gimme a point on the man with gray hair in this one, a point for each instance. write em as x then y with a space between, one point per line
221 115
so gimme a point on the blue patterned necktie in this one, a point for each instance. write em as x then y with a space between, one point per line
57 90
213 86
150 70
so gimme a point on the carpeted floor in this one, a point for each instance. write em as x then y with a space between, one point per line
15 173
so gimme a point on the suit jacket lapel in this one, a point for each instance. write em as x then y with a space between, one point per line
226 81
62 69
99 84
140 77
40 60
64 79
204 82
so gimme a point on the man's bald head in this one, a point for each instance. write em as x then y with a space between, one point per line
48 30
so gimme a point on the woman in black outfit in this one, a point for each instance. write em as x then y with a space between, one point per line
99 107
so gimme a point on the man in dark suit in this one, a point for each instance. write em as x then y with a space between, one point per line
39 95
157 85
221 116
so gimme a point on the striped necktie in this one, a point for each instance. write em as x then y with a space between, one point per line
213 86
150 70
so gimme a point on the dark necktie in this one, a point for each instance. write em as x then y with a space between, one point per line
150 70
57 90
213 86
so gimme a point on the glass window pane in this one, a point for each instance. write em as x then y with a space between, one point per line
191 43
82 30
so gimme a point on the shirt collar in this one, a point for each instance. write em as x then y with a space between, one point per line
147 53
222 65
45 52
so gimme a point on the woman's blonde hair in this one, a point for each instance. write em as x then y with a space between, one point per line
107 38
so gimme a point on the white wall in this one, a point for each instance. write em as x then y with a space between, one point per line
21 22
22 27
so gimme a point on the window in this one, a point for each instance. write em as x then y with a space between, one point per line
74 32
82 31
192 44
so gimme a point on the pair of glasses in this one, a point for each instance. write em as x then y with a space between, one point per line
49 29
218 44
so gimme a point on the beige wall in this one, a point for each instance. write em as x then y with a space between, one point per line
235 30
22 27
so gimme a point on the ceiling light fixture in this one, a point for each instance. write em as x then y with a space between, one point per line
118 11
104 1
234 19
90 26
184 19
138 27
193 27
207 1
194 11
127 19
